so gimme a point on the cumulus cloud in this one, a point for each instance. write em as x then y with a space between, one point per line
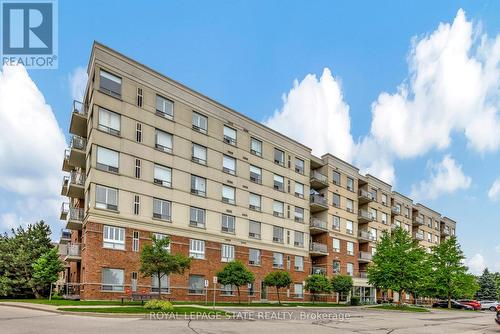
476 264
78 82
494 193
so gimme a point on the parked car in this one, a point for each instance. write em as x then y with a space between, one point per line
454 304
489 305
474 303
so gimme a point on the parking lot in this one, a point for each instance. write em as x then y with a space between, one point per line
322 320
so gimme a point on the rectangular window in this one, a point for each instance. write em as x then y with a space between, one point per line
350 184
198 185
279 157
110 84
112 279
107 160
228 223
200 123
299 190
336 267
228 194
139 97
299 263
159 236
227 253
254 229
255 174
349 205
373 213
197 217
229 165
336 200
136 204
134 281
299 215
336 245
254 202
429 237
162 209
348 227
279 182
336 223
163 176
384 200
298 239
298 290
277 234
165 284
164 107
109 121
278 208
277 260
384 218
135 241
163 141
138 132
113 237
374 194
299 166
227 290
256 147
197 249
254 256
196 284
137 172
350 269
407 213
350 248
336 178
199 154
373 233
229 135
106 198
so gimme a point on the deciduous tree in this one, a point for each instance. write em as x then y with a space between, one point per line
341 284
279 279
235 273
317 283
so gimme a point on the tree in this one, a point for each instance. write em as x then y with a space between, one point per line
279 279
397 264
449 274
235 273
157 260
341 284
317 283
487 286
46 270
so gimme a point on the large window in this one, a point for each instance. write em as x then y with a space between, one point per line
336 200
229 135
350 269
299 165
227 253
106 198
255 174
336 178
350 184
107 160
197 248
196 284
228 194
164 107
298 290
279 157
349 205
198 185
197 217
229 164
336 267
299 189
278 234
228 223
113 237
163 176
163 141
256 147
160 236
384 200
162 209
278 208
135 241
112 279
299 215
350 248
254 229
348 227
109 121
298 240
254 256
165 283
279 183
200 122
336 223
199 154
254 202
277 260
336 245
299 263
384 218
110 84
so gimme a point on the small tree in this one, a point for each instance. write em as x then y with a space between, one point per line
317 283
279 279
341 284
487 286
157 260
46 270
235 273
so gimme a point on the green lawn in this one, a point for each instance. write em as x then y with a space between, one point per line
138 309
65 302
400 308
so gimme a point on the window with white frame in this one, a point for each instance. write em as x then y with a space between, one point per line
336 178
298 239
110 84
277 260
299 263
254 202
407 227
384 199
279 182
299 190
106 198
299 166
336 200
138 132
197 217
350 248
336 223
137 204
228 223
374 250
112 279
164 107
384 218
298 290
229 165
256 147
278 234
299 215
349 204
155 283
199 154
349 227
373 233
200 122
254 256
373 213
161 236
107 160
109 121
429 237
255 174
196 284
279 157
254 229
113 237
227 253
350 269
350 183
336 267
198 185
163 176
137 171
278 208
163 141
336 245
197 249
135 241
229 135
228 194
436 239
162 209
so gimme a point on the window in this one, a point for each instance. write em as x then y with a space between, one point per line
350 269
113 237
348 226
336 267
279 157
350 248
109 121
197 248
227 290
277 234
299 166
199 154
254 202
299 190
407 227
165 283
279 183
349 205
138 132
374 213
106 198
159 236
336 178
398 223
350 184
112 279
407 212
429 222
336 200
298 290
278 209
200 123
254 229
196 284
229 165
374 194
299 263
384 218
229 135
107 160
227 253
228 223
429 237
228 194
256 147
163 176
298 239
336 223
139 97
197 217
384 200
134 281
135 241
277 260
137 172
374 250
162 209
163 141
299 215
336 245
198 185
164 107
373 233
255 174
136 204
254 256
110 84
436 239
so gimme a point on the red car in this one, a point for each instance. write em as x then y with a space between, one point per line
474 303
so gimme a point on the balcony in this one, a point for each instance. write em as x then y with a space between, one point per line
364 257
318 249
75 218
419 236
418 221
364 196
78 124
73 253
317 226
395 210
445 232
64 187
77 152
364 216
365 236
66 167
318 203
65 237
76 185
318 270
64 211
363 274
318 180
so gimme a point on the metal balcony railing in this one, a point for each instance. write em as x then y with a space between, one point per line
78 143
419 236
365 194
76 214
64 208
73 250
318 247
319 177
318 199
418 221
318 223
77 178
318 270
395 210
366 235
365 256
365 214
79 107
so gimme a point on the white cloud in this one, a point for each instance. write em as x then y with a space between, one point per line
476 264
446 177
494 192
78 83
497 248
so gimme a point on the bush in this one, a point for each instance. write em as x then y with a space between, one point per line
354 301
162 305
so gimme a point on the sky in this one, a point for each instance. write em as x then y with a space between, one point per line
407 91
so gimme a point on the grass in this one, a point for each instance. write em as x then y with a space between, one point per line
141 310
400 308
67 302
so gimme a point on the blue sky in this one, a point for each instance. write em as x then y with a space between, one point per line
247 55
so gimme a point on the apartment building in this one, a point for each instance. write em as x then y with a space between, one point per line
151 157
427 226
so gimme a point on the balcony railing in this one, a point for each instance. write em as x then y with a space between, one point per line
366 256
364 216
79 108
318 199
77 178
78 143
73 250
76 214
445 231
318 247
419 236
363 274
418 221
318 180
319 224
365 235
318 270
64 211
365 196
395 210
394 226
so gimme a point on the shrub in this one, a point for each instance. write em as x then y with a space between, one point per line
354 301
162 305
